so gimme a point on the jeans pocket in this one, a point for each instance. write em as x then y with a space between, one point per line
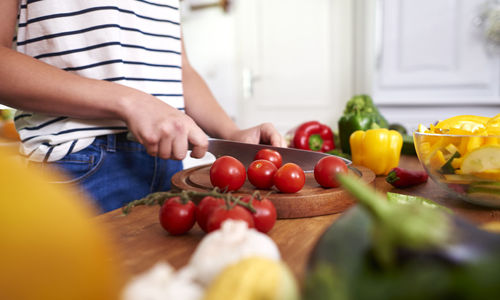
80 165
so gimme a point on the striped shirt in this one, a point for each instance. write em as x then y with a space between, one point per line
135 43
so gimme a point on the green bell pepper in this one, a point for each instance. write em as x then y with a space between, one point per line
360 114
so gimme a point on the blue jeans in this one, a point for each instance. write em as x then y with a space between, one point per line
113 171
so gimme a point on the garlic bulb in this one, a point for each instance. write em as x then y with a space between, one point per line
161 282
217 250
228 245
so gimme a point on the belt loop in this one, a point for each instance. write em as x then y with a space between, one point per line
111 143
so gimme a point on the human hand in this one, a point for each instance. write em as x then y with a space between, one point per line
264 133
165 131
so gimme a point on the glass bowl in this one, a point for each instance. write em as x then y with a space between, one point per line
466 165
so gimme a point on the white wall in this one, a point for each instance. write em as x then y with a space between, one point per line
210 45
218 54
213 49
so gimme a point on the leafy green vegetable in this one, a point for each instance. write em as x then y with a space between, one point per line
360 114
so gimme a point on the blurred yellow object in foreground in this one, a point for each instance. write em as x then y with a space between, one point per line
8 130
254 278
50 246
493 226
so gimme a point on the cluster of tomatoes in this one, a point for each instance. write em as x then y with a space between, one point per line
228 173
178 215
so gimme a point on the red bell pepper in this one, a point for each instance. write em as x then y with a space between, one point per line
314 136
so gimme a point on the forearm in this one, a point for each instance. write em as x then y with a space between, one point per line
202 106
28 84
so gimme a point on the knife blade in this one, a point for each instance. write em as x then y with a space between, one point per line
245 153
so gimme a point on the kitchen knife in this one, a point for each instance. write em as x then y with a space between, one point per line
245 153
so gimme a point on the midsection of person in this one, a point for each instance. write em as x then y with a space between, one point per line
135 43
130 42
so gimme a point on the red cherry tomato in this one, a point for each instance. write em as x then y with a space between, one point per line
270 155
265 215
326 170
222 214
177 217
290 178
227 173
260 173
205 208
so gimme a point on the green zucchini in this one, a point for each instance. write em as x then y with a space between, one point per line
344 265
408 147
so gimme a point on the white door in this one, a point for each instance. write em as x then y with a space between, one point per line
293 61
432 62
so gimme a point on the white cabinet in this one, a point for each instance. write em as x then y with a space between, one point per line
431 61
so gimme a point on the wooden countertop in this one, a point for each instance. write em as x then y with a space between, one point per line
142 242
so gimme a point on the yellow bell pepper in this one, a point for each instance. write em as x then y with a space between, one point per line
377 149
437 160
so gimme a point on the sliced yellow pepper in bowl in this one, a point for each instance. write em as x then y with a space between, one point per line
473 133
377 149
470 147
463 125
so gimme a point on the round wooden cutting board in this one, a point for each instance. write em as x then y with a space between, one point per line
312 200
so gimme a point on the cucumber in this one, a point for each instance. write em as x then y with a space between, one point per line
408 145
447 168
462 179
486 195
493 185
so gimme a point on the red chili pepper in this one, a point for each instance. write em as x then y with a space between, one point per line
402 178
314 136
